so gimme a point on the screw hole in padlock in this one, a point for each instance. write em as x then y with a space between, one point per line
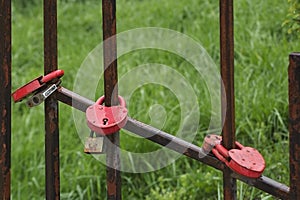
36 100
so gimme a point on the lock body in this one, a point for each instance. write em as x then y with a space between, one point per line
106 120
210 141
94 145
246 161
26 90
35 85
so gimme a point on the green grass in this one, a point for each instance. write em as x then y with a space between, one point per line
261 59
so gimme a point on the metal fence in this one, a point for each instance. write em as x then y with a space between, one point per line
111 98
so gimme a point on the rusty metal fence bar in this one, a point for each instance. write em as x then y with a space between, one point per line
113 175
227 93
192 151
294 124
51 103
5 100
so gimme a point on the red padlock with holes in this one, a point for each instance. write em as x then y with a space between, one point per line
35 85
105 120
246 161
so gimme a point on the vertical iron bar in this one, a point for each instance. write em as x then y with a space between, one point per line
5 99
51 103
111 96
294 124
227 74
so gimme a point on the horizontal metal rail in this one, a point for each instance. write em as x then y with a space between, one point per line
190 150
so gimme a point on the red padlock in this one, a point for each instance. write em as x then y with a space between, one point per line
35 85
246 161
106 120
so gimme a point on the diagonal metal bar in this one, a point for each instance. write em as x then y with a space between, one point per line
5 99
113 175
192 151
51 103
267 185
294 124
172 142
227 74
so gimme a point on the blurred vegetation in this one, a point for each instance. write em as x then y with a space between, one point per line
292 22
262 46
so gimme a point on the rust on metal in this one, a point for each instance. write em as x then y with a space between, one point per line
227 75
176 144
51 103
113 175
5 100
294 124
267 185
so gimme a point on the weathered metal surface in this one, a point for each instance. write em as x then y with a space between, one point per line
210 141
5 99
113 177
227 74
267 185
94 145
172 142
294 124
51 103
72 99
192 151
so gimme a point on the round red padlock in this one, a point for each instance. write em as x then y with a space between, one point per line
35 85
105 120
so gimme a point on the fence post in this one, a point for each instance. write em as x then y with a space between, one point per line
113 175
227 74
5 99
294 124
51 103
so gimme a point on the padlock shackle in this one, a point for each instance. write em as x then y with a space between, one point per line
239 145
52 75
222 150
122 101
219 156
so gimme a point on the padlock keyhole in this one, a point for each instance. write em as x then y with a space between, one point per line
105 120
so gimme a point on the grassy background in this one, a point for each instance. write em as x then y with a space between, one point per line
262 46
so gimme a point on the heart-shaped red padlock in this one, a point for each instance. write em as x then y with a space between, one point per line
246 161
105 120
